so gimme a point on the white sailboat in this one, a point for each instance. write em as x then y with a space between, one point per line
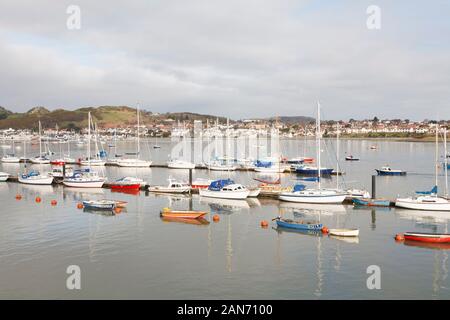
317 195
41 159
97 161
430 201
135 162
85 178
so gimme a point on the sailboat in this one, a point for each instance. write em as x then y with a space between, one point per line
318 195
97 161
430 200
85 178
135 162
41 159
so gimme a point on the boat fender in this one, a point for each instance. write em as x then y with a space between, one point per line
399 237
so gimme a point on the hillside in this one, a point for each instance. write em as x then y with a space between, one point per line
104 116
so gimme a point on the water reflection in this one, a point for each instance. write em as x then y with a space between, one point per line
224 205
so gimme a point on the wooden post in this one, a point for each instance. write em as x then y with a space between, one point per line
64 170
374 187
190 177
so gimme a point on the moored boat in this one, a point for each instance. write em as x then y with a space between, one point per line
351 158
180 164
183 214
371 202
225 189
299 225
99 204
172 187
4 176
344 232
427 237
34 177
387 171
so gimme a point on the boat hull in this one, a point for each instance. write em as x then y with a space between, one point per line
305 198
36 181
390 173
344 232
224 194
169 190
427 237
371 202
84 184
411 204
309 172
299 226
182 214
134 186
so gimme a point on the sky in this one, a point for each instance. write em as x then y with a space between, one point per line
234 58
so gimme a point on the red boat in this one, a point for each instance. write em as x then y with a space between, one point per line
427 237
125 186
57 162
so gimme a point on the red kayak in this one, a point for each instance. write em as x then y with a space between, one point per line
427 237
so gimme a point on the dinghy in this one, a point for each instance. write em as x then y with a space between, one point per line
182 214
344 232
99 204
427 237
387 171
371 202
351 158
299 225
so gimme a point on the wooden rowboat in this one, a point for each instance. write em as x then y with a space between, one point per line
427 237
182 214
344 232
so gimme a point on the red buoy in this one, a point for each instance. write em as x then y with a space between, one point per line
264 223
80 205
53 202
216 218
18 197
399 237
38 199
325 230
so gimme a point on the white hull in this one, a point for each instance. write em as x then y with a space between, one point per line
224 194
221 168
180 165
424 203
40 161
38 180
313 196
92 163
10 160
133 163
83 183
169 190
344 232
254 192
4 176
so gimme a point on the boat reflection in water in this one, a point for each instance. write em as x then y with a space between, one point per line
133 192
427 245
313 233
198 221
225 205
313 209
346 239
106 213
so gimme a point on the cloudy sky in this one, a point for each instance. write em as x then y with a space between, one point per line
237 58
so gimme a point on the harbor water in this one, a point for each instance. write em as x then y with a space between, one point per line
137 255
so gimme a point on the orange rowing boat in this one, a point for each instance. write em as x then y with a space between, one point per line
184 214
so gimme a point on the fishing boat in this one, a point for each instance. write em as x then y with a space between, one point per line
99 204
351 158
344 232
35 178
371 202
173 187
4 176
180 164
387 171
201 183
299 225
10 158
226 189
427 237
429 200
183 214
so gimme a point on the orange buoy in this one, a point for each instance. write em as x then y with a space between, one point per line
18 197
264 223
399 237
216 218
325 230
38 199
53 202
80 205
117 210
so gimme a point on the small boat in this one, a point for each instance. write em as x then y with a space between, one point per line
387 171
313 170
320 196
183 214
99 204
10 158
124 185
133 180
172 187
133 163
57 172
427 237
84 179
34 177
58 162
180 164
358 193
92 162
156 146
371 202
4 176
351 158
198 221
225 189
299 225
425 202
254 192
373 147
214 166
344 232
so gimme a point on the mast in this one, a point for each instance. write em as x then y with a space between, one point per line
40 140
445 162
89 140
318 143
437 156
138 123
337 155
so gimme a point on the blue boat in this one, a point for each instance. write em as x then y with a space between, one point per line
299 225
309 171
99 204
371 202
387 171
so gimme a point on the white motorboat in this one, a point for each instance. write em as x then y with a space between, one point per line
180 164
172 187
4 176
225 189
34 177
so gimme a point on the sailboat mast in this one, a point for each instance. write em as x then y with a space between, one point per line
138 123
89 140
318 143
445 162
437 155
337 156
40 140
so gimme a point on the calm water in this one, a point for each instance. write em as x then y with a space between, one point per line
135 254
